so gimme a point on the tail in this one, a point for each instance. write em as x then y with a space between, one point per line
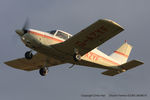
122 53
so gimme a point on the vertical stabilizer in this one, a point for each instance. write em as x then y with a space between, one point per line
122 53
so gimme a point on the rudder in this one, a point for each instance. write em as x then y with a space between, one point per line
122 53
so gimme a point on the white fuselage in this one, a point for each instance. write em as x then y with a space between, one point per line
39 41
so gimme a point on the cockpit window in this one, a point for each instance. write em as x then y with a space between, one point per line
52 32
62 35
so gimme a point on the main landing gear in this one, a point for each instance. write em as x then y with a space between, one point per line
76 56
28 55
43 71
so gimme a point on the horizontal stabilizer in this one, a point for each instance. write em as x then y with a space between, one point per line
122 68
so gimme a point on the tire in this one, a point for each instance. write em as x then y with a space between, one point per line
28 55
43 71
77 57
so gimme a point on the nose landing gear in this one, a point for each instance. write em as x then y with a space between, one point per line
28 55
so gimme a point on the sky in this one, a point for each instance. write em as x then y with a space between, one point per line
72 16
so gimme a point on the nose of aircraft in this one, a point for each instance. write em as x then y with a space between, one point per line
19 32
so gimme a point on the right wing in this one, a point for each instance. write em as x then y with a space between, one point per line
127 66
89 38
37 62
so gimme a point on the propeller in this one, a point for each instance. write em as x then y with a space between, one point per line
26 26
24 29
15 38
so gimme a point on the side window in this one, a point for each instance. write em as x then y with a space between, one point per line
62 35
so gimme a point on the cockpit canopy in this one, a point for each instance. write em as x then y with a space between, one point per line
60 34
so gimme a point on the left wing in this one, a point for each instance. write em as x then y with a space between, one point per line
37 62
89 38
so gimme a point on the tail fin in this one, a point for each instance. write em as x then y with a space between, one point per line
122 53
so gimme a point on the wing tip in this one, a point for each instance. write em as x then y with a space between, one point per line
113 22
139 62
6 63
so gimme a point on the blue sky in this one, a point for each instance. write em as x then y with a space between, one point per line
72 16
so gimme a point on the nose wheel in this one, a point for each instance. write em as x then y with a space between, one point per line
43 71
28 55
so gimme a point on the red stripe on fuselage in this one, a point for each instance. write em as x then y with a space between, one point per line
107 59
52 38
94 57
49 37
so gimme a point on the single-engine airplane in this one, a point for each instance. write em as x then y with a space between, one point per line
58 47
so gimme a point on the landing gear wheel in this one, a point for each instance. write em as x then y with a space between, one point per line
77 57
28 55
43 71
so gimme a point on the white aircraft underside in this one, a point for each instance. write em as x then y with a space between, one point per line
59 47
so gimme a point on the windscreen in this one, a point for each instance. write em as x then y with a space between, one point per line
52 32
62 35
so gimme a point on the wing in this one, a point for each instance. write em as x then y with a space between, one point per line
127 66
89 38
36 62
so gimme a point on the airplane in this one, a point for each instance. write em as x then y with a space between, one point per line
58 47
